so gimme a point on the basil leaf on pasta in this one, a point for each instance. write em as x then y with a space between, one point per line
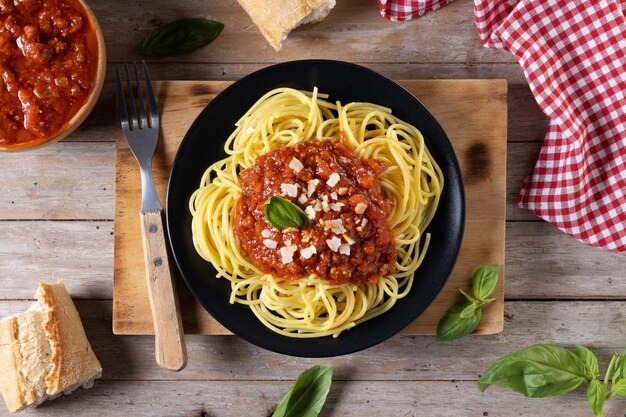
283 213
308 394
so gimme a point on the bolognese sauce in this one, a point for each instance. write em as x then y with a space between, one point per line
350 239
48 60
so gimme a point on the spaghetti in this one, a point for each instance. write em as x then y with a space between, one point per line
312 306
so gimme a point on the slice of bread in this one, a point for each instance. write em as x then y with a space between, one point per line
276 18
44 351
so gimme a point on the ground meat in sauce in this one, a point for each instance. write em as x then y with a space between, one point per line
47 67
350 240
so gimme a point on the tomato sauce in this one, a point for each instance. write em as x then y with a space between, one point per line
350 239
48 60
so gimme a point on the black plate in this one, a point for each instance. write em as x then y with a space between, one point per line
203 144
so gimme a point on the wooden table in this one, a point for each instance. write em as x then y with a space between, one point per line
56 222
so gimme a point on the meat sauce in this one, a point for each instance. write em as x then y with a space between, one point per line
350 239
48 59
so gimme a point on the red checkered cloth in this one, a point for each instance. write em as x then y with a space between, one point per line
573 54
400 10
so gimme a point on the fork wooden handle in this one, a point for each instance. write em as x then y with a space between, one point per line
170 348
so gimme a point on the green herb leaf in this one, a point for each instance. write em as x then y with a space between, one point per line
469 311
621 367
619 388
484 281
452 326
596 395
308 394
536 371
469 297
592 368
283 213
180 36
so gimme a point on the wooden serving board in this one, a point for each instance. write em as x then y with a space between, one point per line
472 112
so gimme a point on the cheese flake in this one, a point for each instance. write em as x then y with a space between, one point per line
336 206
266 233
344 249
286 253
310 212
289 189
333 243
333 179
296 165
360 208
311 187
306 253
270 243
302 199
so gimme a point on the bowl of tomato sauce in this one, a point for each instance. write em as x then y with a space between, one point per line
52 67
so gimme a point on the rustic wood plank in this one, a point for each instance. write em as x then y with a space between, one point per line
401 358
59 181
521 158
354 31
346 399
76 182
479 139
525 120
541 262
80 253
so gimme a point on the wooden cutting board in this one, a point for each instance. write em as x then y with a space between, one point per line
472 112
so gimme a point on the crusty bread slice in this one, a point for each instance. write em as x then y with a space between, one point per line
44 351
276 18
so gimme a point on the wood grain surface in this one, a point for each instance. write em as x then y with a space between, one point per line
479 141
57 222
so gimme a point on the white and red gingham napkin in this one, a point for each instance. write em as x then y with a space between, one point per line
573 54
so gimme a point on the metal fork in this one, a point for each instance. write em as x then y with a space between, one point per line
142 133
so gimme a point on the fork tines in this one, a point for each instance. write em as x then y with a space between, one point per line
134 122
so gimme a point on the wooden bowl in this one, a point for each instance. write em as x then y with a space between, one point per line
93 96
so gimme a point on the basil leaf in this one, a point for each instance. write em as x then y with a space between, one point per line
283 213
484 281
308 394
619 388
620 369
596 395
536 371
469 297
452 326
469 311
592 368
180 36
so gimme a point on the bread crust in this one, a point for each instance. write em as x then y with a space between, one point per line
10 377
68 363
72 357
276 18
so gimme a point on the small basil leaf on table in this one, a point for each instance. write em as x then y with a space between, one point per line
596 395
592 368
484 281
452 326
180 36
308 394
283 213
469 311
469 297
619 388
537 371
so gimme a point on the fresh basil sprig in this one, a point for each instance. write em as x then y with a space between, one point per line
545 370
283 213
180 36
308 394
463 317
